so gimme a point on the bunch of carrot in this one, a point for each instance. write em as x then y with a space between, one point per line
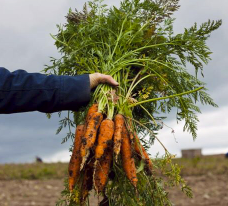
97 144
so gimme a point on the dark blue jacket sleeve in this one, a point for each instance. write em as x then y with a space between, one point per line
25 92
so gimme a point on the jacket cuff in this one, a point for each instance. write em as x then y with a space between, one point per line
74 92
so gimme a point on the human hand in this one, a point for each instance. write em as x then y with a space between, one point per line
98 78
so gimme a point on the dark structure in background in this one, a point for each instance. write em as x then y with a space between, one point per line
191 153
226 155
39 160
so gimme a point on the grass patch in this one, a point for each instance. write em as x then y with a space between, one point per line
214 164
33 171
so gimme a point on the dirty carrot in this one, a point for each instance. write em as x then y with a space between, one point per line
130 127
106 132
89 137
92 109
102 168
140 150
75 161
127 158
119 122
87 183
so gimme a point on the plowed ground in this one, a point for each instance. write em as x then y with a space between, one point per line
209 190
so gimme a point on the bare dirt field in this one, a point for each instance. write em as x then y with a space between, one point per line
29 192
209 190
41 184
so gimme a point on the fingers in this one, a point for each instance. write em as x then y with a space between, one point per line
98 78
108 80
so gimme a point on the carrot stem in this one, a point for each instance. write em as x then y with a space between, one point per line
168 97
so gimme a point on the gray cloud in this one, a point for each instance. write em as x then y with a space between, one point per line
216 71
23 136
25 43
212 135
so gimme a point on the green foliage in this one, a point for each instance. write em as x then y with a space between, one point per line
66 122
172 171
136 45
138 37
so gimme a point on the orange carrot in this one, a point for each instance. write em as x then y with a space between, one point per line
102 168
106 131
89 137
127 158
140 150
92 109
130 127
119 122
87 183
75 161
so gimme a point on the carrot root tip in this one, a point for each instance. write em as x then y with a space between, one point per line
84 160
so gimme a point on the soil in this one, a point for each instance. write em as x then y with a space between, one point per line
209 190
29 192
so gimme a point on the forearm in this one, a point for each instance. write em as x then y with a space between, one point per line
24 92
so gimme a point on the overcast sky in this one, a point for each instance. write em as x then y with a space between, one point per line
25 43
